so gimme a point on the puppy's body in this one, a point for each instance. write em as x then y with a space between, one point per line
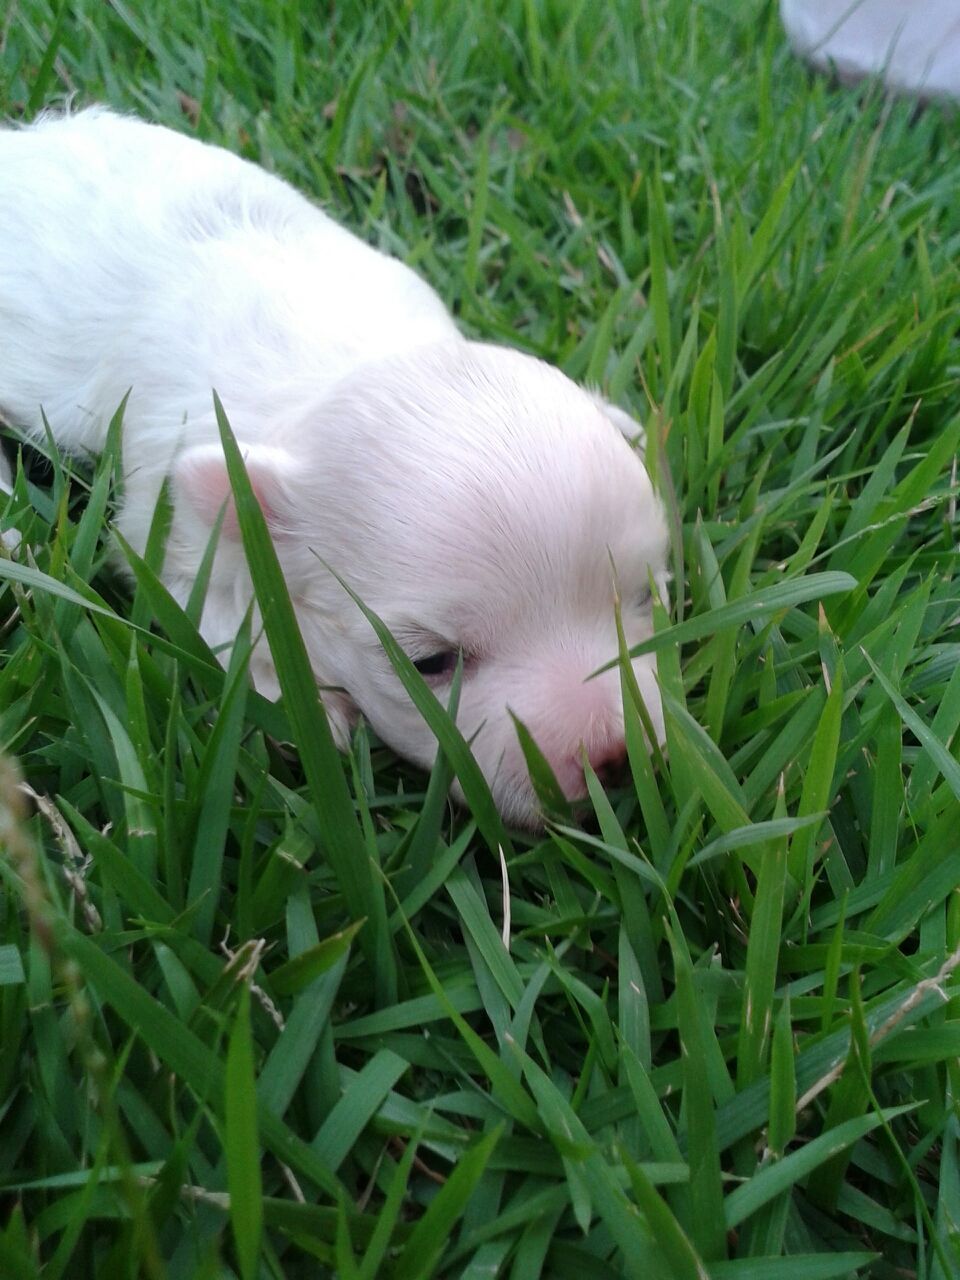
134 258
472 496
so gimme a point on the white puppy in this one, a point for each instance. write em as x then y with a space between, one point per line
472 496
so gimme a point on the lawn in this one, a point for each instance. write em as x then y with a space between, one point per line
277 1013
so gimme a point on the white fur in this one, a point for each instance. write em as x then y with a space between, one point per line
472 496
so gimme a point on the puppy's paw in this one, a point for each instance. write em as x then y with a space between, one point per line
628 427
9 538
340 709
341 716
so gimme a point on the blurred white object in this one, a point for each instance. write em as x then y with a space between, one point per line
915 46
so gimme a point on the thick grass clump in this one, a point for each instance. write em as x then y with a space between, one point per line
276 1013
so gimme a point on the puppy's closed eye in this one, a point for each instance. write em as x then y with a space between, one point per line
437 666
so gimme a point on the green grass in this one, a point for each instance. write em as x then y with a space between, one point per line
256 1015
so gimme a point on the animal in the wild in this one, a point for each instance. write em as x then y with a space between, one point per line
478 500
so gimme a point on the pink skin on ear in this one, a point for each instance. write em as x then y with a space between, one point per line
201 478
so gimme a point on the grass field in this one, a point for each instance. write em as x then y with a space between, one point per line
257 1018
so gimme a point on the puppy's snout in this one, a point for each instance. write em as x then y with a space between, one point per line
609 761
607 757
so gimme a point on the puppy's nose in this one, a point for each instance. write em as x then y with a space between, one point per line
608 761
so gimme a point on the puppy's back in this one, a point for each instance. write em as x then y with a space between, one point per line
133 256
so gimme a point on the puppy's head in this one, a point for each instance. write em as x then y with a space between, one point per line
485 506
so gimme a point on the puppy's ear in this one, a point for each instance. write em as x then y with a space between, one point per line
200 479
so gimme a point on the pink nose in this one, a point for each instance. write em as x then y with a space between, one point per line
608 759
